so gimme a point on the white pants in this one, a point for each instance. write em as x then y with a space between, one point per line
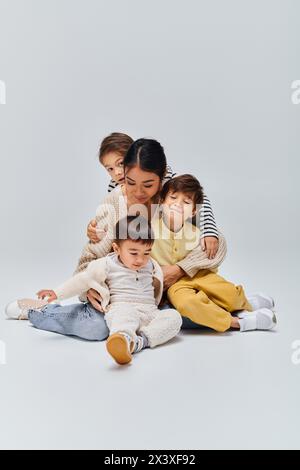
159 326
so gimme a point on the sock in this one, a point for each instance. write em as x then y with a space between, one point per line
128 339
248 324
241 314
140 343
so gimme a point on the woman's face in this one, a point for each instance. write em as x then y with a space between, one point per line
141 186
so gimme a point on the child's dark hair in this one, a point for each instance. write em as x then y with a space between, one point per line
115 142
134 228
186 184
149 155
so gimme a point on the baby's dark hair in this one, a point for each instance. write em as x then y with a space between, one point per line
186 184
134 228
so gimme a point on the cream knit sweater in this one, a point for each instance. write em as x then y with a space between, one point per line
114 208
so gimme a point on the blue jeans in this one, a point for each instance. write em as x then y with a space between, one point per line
79 319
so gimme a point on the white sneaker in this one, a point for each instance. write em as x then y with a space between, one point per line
260 300
18 310
262 319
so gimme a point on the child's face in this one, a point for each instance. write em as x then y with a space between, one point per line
177 208
113 163
134 255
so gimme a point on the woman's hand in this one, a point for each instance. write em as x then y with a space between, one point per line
210 245
95 234
42 294
95 299
171 274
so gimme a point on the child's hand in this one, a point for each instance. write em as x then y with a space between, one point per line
47 293
210 245
95 234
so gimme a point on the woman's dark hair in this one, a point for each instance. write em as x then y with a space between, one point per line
149 155
134 228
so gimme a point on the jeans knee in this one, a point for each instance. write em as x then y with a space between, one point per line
99 330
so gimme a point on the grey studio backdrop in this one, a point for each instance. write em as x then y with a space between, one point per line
212 81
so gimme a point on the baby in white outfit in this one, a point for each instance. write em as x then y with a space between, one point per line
133 310
130 283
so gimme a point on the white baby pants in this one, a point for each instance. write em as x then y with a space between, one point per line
159 326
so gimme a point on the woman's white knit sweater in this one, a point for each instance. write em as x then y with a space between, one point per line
114 208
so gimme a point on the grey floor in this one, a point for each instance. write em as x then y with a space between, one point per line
203 390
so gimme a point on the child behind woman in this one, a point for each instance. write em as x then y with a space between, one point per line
112 151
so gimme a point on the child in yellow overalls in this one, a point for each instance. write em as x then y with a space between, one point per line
207 299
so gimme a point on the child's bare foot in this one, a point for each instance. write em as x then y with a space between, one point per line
18 310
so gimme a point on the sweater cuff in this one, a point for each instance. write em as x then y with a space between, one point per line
59 294
83 298
186 266
209 234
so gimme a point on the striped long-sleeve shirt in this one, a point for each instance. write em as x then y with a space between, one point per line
208 224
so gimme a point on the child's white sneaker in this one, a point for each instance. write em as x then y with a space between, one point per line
18 310
261 319
260 300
